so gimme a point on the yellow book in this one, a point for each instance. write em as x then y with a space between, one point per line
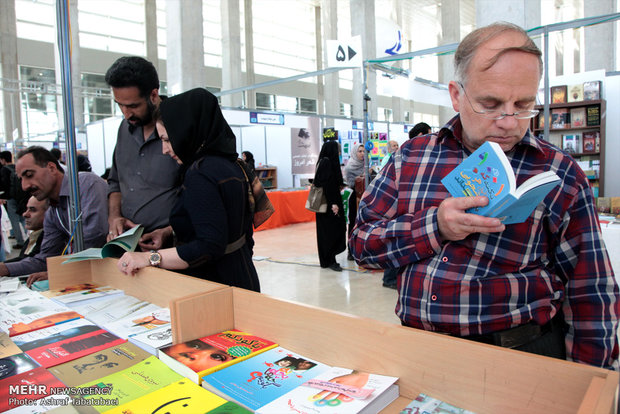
181 396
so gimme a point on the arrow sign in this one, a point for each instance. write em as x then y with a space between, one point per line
345 54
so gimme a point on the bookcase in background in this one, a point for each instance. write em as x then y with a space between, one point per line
591 155
268 176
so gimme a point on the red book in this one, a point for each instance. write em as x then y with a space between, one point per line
72 348
32 385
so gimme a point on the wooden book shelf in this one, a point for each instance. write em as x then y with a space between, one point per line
478 377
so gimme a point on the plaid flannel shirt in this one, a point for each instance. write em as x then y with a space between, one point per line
555 261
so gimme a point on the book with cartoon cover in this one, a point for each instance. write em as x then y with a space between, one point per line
488 172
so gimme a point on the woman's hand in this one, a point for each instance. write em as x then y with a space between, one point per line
131 262
335 209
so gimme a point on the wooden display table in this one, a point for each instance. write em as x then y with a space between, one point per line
478 377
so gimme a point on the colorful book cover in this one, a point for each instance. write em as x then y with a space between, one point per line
99 364
429 405
199 357
16 364
131 383
578 117
26 311
571 143
179 397
50 347
592 90
337 391
560 118
558 94
593 115
139 322
32 385
257 381
488 172
591 141
575 93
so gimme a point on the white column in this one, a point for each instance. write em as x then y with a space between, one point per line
185 51
450 33
363 24
331 85
250 74
150 28
524 13
8 56
600 39
231 53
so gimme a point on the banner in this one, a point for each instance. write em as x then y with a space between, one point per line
305 147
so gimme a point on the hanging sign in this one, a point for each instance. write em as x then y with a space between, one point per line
265 118
347 53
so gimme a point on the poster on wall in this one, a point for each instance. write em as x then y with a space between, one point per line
349 140
305 147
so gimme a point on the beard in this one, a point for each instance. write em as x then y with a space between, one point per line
148 116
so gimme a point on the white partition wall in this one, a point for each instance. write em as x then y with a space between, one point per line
278 139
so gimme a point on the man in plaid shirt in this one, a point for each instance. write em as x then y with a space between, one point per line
545 285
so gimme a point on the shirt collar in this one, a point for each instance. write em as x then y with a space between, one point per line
454 130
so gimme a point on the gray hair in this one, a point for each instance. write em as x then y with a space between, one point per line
472 42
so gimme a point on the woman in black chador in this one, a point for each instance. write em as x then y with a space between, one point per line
213 217
331 225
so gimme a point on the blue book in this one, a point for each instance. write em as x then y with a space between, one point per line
488 172
257 381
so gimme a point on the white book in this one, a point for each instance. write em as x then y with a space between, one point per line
337 391
139 322
10 285
87 295
153 339
22 311
110 310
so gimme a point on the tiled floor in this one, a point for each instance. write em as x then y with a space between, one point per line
288 267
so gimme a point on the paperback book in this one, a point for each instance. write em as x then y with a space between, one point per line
111 310
125 242
571 143
80 296
593 115
560 118
337 390
131 383
16 364
151 341
575 93
50 347
25 311
591 141
140 322
488 172
578 117
592 90
199 357
99 364
180 396
7 346
257 381
558 94
32 385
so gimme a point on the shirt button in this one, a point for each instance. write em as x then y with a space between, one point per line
430 251
131 189
444 259
142 154
139 173
434 297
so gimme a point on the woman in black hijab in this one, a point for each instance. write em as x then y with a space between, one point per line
212 219
248 157
331 225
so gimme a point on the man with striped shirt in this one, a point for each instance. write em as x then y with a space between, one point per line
545 285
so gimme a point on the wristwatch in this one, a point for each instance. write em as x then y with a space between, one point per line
155 258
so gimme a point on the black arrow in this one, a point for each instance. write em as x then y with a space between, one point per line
351 53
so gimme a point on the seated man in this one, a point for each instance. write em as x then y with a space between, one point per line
44 179
34 215
544 286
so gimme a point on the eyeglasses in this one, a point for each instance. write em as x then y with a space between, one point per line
496 114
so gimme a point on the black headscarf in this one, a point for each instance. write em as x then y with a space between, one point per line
196 126
331 151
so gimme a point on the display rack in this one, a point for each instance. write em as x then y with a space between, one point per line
268 176
479 377
593 156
